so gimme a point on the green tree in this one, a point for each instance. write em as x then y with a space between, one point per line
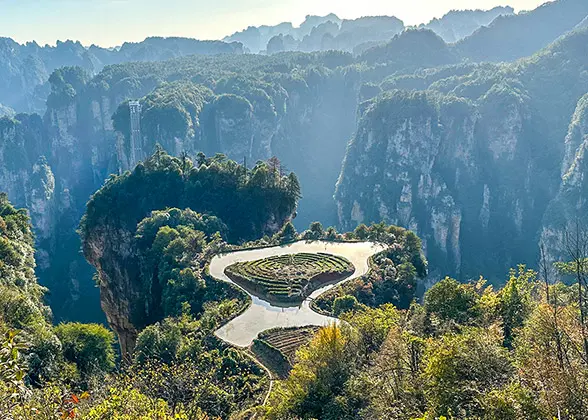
288 233
12 372
361 232
344 304
548 354
159 342
331 233
512 402
461 369
88 346
516 302
319 375
452 301
391 387
315 231
128 403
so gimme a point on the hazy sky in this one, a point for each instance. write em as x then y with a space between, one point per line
110 22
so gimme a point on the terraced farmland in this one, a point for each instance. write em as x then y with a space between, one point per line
276 348
288 340
290 277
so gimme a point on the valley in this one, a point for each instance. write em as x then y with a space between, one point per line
349 218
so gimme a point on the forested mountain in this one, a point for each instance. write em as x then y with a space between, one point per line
459 24
457 148
25 68
473 161
302 108
510 37
321 33
248 107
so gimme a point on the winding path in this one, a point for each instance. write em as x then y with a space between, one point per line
262 315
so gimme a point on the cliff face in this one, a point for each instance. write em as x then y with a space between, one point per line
468 177
474 162
397 170
569 207
111 252
84 136
45 170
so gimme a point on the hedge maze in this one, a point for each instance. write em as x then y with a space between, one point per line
291 277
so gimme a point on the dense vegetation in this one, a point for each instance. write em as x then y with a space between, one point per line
179 370
291 277
468 352
25 68
214 185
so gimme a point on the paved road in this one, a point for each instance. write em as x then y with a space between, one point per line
262 315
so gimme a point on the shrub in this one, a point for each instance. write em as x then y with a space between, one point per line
343 304
88 346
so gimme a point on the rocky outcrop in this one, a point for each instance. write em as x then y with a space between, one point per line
395 170
567 211
462 174
474 164
111 252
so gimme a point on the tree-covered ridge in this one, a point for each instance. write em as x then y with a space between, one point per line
262 196
17 257
32 352
26 67
510 37
22 308
128 78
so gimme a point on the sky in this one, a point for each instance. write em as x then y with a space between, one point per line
111 22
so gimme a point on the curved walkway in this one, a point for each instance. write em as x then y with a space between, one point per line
262 315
